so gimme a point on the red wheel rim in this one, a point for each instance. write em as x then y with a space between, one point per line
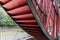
48 15
27 21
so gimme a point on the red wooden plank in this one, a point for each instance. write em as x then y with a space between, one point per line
4 1
26 21
22 16
19 10
14 4
28 25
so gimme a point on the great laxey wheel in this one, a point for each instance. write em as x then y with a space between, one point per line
39 18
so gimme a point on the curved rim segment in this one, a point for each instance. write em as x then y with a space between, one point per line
34 12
